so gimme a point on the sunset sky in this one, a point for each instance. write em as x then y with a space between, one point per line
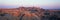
46 4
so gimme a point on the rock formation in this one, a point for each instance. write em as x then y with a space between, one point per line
28 13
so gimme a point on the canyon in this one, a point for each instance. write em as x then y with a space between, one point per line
28 13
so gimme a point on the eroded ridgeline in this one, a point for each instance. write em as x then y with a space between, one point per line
23 13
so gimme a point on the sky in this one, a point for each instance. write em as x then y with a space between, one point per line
46 4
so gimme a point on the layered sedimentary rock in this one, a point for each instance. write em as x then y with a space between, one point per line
25 13
29 13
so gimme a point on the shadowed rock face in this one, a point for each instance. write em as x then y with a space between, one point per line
6 16
1 14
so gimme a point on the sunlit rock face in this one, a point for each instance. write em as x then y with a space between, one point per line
25 13
16 11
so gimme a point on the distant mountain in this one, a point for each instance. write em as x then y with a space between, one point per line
44 7
52 9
